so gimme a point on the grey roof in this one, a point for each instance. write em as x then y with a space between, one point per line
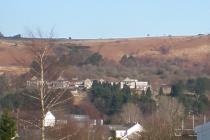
120 127
202 127
117 127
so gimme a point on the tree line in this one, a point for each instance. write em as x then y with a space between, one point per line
193 94
109 98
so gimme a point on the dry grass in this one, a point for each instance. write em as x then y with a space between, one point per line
14 69
191 48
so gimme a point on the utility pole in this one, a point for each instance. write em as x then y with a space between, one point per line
182 124
193 121
204 119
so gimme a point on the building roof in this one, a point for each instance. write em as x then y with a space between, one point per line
121 127
118 127
142 83
203 127
61 78
49 115
80 118
129 80
34 78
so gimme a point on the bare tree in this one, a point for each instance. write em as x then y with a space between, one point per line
131 113
171 112
44 68
170 109
156 129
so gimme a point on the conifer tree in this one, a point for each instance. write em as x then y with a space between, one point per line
161 91
7 127
148 92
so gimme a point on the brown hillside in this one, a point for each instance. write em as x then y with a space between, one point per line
191 48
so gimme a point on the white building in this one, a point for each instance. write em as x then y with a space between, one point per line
88 83
101 81
134 84
33 82
129 82
134 130
49 120
125 133
142 85
60 83
203 131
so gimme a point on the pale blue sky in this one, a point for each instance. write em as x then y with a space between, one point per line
106 18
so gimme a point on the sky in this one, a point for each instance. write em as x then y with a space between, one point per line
80 19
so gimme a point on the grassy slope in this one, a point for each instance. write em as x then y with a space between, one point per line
194 49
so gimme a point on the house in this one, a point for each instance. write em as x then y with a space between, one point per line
33 82
61 83
134 84
74 92
97 122
83 120
119 130
126 132
49 120
77 83
166 89
142 86
129 82
101 81
80 118
203 131
88 83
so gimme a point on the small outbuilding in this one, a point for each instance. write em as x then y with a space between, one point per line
126 132
49 120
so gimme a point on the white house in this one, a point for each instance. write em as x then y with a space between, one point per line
134 84
49 120
125 133
88 83
142 85
75 92
101 81
203 131
129 82
33 82
60 83
133 130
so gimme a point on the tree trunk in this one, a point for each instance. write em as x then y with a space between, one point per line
42 103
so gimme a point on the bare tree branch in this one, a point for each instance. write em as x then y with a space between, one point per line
61 102
68 136
29 122
31 96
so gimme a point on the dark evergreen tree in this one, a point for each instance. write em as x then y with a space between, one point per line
161 91
109 98
149 92
177 89
146 103
7 127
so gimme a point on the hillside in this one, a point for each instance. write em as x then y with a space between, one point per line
194 48
189 51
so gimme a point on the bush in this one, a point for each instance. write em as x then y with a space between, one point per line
128 61
94 59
